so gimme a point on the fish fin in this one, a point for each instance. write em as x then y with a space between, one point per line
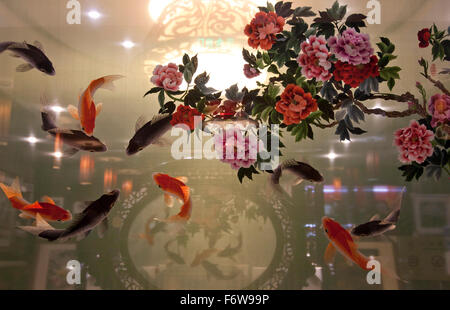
108 81
41 223
13 190
48 200
298 181
38 45
14 55
182 179
289 163
102 228
83 236
62 131
24 68
35 205
141 121
26 216
70 152
19 45
98 109
168 200
73 112
330 254
374 218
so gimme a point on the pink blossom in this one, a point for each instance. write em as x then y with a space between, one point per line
351 47
250 72
167 77
414 143
439 107
314 58
233 148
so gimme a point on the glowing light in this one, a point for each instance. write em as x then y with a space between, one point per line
94 14
109 179
128 44
127 187
57 155
57 109
332 155
32 140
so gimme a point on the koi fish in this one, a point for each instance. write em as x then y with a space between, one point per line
148 133
377 227
77 140
201 256
33 55
151 229
176 187
342 241
47 208
94 216
229 251
301 170
87 111
214 271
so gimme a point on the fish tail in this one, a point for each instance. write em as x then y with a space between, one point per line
13 190
52 235
106 82
4 46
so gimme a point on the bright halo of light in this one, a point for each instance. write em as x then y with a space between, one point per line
93 14
128 44
32 140
57 155
57 109
332 155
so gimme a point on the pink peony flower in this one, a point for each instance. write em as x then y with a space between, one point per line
236 149
439 107
414 143
167 77
250 72
314 58
351 47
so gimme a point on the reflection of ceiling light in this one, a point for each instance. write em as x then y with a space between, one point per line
94 14
128 44
57 109
32 140
57 154
332 155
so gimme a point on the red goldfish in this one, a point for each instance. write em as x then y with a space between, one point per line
342 240
47 209
176 187
87 111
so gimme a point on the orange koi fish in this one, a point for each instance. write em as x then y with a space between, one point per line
175 187
341 240
87 111
47 209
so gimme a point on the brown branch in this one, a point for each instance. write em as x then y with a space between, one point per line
439 85
390 114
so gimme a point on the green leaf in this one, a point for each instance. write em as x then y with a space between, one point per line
265 113
273 69
161 98
391 83
266 58
153 91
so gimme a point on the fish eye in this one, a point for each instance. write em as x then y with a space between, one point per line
326 230
140 149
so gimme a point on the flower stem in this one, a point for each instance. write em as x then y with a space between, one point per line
174 98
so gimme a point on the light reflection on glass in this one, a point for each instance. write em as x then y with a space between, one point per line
86 169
